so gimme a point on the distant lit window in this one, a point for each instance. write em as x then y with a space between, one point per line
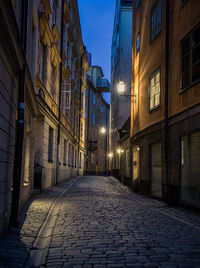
86 92
138 43
156 20
190 58
154 89
93 119
137 4
102 107
94 98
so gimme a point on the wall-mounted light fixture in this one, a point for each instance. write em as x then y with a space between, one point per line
122 88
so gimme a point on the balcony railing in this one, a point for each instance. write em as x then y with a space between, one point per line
103 85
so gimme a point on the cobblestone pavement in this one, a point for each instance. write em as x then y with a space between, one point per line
95 222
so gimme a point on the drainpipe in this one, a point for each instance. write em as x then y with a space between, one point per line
166 129
60 93
17 170
88 125
80 103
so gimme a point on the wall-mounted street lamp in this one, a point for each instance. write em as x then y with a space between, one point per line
122 88
103 130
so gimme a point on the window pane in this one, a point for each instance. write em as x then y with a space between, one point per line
151 103
185 79
196 37
196 72
152 82
185 63
196 54
157 88
157 100
185 46
157 78
152 92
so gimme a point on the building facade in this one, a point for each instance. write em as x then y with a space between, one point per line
165 117
43 80
97 123
120 71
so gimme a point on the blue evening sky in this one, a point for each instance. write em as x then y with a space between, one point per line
97 17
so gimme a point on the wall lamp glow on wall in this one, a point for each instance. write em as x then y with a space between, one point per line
121 89
120 151
110 155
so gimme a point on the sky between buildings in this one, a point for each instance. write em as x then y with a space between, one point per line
97 17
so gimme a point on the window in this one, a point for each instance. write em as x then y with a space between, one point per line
154 90
44 63
86 92
50 146
190 58
138 43
64 152
102 107
93 119
66 97
94 98
156 20
137 4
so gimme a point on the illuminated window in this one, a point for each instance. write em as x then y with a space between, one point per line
156 20
94 98
190 58
102 107
154 90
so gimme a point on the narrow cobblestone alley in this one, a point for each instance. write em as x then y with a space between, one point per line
97 222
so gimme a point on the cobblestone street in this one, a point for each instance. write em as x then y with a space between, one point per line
97 222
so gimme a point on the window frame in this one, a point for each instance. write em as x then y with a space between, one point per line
157 70
151 13
191 83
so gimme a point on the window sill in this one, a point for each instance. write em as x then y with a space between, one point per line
25 184
50 161
155 108
182 90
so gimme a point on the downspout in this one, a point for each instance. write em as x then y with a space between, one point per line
166 129
60 93
80 103
88 117
17 170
